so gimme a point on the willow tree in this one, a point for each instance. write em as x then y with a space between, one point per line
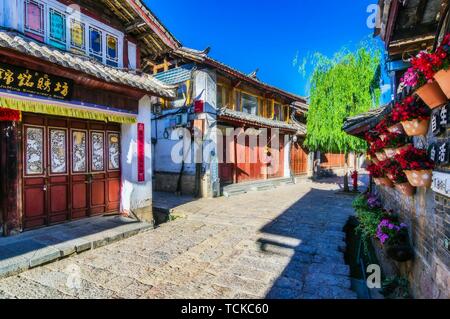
342 86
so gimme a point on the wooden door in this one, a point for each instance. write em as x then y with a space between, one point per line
226 167
276 167
71 169
299 159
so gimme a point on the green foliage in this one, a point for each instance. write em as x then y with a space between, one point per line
345 85
396 287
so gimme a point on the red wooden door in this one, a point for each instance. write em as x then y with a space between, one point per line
226 166
71 169
299 159
276 167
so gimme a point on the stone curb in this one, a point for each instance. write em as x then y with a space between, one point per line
15 265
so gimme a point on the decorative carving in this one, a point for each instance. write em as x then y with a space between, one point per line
34 151
58 151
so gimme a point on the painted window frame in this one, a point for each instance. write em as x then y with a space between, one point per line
109 59
51 39
92 53
27 29
88 21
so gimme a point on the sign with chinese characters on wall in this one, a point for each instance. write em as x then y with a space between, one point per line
441 183
19 79
440 120
141 152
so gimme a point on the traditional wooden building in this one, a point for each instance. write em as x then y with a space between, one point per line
408 27
247 127
75 109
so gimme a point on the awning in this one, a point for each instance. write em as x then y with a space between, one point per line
60 108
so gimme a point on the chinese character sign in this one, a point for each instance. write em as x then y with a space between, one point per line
19 79
141 151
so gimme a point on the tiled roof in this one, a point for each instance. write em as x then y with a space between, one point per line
202 57
177 75
226 113
362 123
11 40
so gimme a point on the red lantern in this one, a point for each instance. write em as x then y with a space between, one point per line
10 115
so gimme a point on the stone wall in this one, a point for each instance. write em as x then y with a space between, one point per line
428 217
167 182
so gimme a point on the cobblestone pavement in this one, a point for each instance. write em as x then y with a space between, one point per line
282 243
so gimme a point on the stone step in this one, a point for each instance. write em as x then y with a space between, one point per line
242 188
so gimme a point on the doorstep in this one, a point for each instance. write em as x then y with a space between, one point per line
41 246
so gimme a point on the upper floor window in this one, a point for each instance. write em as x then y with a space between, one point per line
112 57
34 19
95 45
278 113
57 32
249 104
223 96
49 21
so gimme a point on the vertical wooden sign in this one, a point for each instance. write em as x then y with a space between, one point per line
141 152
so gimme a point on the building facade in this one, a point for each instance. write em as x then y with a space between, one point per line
240 130
75 110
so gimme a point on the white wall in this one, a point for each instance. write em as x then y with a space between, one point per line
287 158
136 194
11 15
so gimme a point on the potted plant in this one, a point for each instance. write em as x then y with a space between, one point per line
395 173
379 175
393 143
420 76
442 75
377 148
388 125
394 238
417 166
413 115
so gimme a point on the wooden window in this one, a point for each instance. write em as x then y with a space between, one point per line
34 150
112 45
58 150
249 103
95 44
79 151
57 29
97 151
269 109
278 112
223 96
34 19
77 38
113 151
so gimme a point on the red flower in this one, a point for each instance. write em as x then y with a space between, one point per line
376 171
410 108
412 158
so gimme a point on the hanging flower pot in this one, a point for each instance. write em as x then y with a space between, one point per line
420 178
383 137
400 149
432 95
400 252
397 128
384 181
416 127
390 152
443 79
406 189
381 156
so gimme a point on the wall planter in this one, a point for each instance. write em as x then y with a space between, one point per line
443 79
390 152
416 127
420 178
404 147
432 95
400 252
397 128
384 181
406 189
381 156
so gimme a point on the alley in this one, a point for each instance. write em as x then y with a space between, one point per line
282 243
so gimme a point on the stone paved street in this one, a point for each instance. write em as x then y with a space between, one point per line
282 243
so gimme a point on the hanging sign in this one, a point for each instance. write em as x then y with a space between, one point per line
439 153
444 116
436 124
141 152
433 152
441 183
19 79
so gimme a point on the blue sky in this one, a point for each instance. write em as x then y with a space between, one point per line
266 34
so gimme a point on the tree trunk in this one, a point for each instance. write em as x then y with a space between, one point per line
346 187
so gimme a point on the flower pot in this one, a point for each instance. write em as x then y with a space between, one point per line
375 160
405 189
390 152
443 79
432 95
397 128
377 181
383 137
384 181
381 156
420 178
400 149
399 252
416 127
